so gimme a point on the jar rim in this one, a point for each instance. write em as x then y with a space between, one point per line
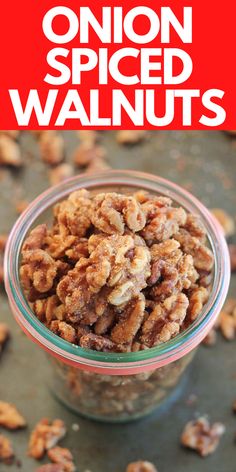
116 362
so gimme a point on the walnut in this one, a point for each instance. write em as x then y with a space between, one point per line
62 456
60 173
163 254
6 450
51 147
141 466
10 418
105 321
131 321
86 153
226 221
72 215
227 320
198 298
163 220
38 270
14 134
195 227
89 137
4 335
175 270
165 320
48 309
201 436
110 212
36 239
202 256
64 330
45 436
97 165
130 136
10 153
232 253
98 343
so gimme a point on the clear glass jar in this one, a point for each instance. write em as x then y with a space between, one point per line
114 386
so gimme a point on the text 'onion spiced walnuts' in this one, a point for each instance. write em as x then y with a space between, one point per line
117 272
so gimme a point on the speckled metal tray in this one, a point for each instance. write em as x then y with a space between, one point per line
205 163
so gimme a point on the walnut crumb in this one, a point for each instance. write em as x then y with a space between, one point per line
10 418
45 436
201 436
63 457
141 466
6 450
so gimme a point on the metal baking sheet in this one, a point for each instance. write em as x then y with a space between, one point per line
205 163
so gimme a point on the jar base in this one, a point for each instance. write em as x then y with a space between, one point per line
158 410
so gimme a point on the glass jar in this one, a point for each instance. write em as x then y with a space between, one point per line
115 386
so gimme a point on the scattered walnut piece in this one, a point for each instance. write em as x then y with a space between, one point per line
21 206
86 153
110 212
10 418
97 165
165 320
14 134
232 253
211 338
201 436
10 153
52 147
226 221
6 450
50 468
88 137
141 466
60 173
227 324
130 136
4 335
63 457
45 436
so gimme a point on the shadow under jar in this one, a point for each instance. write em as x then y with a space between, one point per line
115 386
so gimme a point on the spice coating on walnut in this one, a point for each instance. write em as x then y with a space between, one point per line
117 272
45 436
201 436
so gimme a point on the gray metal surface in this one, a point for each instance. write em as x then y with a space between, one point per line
204 162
